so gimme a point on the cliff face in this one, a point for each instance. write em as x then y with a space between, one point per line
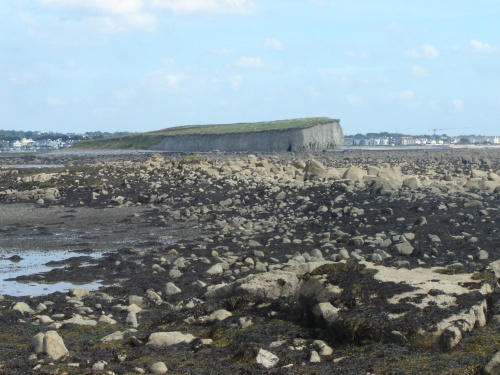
318 137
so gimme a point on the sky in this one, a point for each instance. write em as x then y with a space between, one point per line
143 65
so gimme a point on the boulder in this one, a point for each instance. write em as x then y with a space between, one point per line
53 345
269 285
161 339
267 359
314 171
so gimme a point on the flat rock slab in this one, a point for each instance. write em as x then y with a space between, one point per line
428 306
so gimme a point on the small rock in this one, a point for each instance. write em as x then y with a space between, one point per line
160 339
99 366
483 255
315 358
158 368
216 269
171 289
267 359
53 345
79 292
23 307
404 248
493 366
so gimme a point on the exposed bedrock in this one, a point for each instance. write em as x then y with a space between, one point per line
318 137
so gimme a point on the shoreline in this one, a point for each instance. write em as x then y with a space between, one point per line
364 260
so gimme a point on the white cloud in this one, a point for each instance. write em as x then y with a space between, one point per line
479 46
141 21
162 81
250 62
109 6
271 43
234 7
419 71
427 51
236 81
353 99
457 103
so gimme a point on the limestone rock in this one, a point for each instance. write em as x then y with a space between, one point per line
160 339
158 368
267 359
171 289
314 170
269 285
53 345
23 307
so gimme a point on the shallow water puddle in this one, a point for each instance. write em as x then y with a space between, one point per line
32 262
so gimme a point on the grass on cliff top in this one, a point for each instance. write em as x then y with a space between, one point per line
145 140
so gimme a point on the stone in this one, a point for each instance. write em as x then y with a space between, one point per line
132 319
44 319
354 173
216 269
107 320
253 243
53 345
483 255
138 300
161 339
79 292
37 343
79 321
115 336
344 254
493 366
99 366
216 316
421 221
411 182
314 358
158 368
175 274
23 308
267 359
327 312
171 289
404 248
269 285
314 171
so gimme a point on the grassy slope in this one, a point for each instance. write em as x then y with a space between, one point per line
145 140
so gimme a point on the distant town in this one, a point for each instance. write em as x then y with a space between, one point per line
385 139
35 141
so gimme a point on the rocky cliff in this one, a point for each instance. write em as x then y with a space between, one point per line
317 137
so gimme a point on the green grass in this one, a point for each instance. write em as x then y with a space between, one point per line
145 140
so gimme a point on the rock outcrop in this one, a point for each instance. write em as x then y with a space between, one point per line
317 137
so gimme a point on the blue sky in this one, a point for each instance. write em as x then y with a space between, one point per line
142 65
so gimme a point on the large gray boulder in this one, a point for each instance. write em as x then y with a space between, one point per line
161 339
269 285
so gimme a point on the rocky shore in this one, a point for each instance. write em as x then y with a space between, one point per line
333 263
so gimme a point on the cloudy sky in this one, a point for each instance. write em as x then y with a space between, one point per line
141 65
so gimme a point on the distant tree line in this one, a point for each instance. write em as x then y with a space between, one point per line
12 135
